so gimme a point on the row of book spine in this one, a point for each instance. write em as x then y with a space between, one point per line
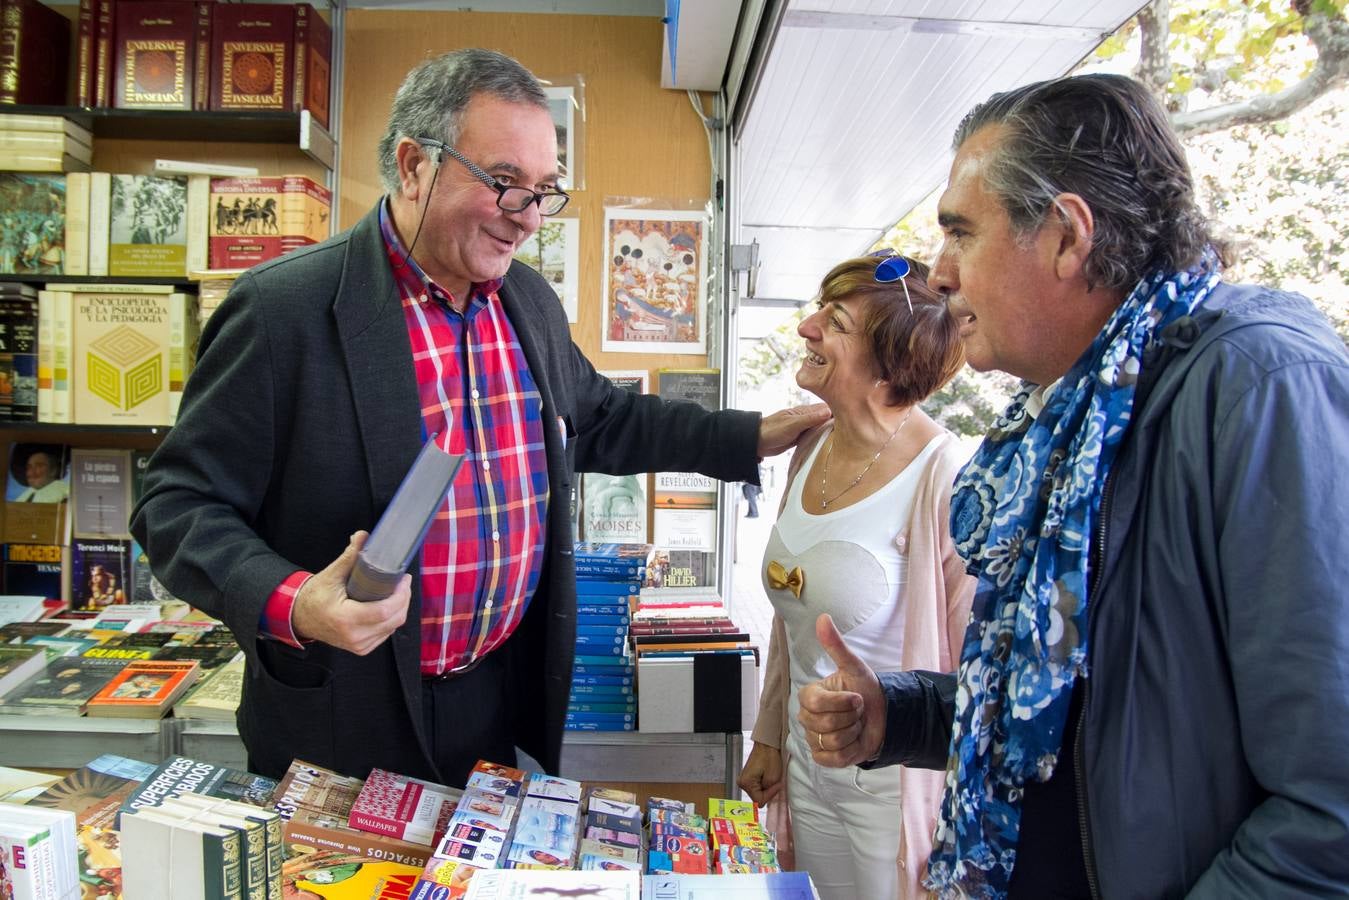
168 54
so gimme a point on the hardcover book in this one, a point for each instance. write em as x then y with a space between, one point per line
207 859
251 65
33 569
148 227
313 61
252 220
145 689
685 490
401 529
154 60
35 232
613 507
18 353
34 53
682 568
131 353
701 386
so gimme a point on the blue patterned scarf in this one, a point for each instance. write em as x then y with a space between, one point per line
1022 516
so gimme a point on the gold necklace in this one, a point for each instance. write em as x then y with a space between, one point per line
829 451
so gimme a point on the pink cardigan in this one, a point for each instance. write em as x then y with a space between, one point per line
934 630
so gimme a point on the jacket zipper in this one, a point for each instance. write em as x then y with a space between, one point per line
1097 560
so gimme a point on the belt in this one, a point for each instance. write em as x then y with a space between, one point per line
451 674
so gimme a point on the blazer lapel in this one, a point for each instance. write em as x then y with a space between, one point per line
368 314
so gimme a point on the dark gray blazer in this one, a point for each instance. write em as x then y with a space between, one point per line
296 426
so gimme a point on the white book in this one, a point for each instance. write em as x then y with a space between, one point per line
100 222
58 874
513 884
20 608
220 170
169 857
666 695
55 402
24 850
198 222
77 223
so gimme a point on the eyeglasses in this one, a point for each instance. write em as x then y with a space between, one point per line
891 269
510 198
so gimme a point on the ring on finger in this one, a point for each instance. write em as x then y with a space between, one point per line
819 739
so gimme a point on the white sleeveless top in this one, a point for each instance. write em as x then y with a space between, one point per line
853 568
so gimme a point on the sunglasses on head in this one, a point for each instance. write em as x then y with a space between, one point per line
891 269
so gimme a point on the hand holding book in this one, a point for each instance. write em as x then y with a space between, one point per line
324 612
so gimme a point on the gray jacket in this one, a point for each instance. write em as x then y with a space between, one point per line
1212 751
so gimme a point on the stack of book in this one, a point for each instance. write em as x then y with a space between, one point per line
36 143
740 844
697 671
315 806
403 807
545 830
608 582
213 286
476 834
612 839
195 847
37 853
677 840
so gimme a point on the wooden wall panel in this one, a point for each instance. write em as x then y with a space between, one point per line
640 139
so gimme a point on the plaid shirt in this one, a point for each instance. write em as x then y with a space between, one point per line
483 554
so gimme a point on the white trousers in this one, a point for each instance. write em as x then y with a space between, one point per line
845 826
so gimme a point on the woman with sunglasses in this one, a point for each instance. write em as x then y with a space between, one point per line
862 535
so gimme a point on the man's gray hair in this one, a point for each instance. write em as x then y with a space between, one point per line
430 102
1108 140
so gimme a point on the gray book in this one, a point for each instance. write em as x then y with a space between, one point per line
400 531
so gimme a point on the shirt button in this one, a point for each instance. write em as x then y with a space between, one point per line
496 535
486 464
473 393
421 298
487 604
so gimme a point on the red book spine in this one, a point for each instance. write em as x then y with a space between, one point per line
84 46
303 13
103 53
34 51
318 67
201 51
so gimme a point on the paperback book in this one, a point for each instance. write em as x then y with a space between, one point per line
180 775
145 689
63 687
403 807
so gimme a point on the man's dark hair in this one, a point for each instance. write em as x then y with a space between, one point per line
1108 140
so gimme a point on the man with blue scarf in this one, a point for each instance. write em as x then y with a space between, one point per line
1153 696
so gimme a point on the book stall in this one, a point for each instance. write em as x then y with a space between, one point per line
185 828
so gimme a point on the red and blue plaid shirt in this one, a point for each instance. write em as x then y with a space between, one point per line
483 554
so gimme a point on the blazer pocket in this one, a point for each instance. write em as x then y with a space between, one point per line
288 669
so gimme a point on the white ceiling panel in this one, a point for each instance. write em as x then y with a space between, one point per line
852 116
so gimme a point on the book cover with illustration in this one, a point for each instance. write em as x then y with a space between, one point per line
681 568
251 64
63 687
18 353
33 226
131 354
154 63
685 490
312 870
256 219
613 507
403 807
148 226
100 573
145 689
33 569
181 775
100 492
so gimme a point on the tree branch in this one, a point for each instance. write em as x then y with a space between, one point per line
1330 36
1154 57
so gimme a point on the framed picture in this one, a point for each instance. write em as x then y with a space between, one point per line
564 104
554 252
655 278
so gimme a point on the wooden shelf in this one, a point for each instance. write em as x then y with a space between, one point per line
97 279
243 126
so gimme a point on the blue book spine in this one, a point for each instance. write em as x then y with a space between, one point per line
596 618
625 588
581 679
601 631
599 643
599 726
602 607
588 664
601 690
607 717
583 707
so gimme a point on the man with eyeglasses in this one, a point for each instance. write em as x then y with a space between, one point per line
318 381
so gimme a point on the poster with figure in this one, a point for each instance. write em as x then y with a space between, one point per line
554 252
655 278
562 105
